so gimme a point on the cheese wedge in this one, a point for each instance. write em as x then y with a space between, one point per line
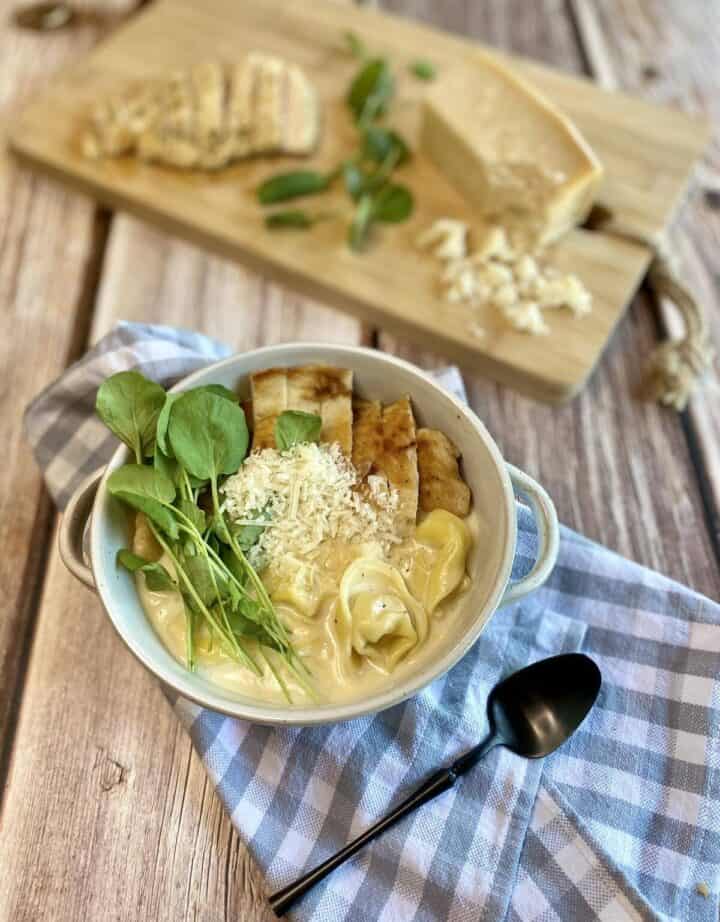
509 150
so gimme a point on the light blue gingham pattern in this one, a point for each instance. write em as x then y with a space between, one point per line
623 823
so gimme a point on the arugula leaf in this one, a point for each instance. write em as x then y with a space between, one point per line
129 405
157 578
422 69
371 90
208 434
393 203
294 426
286 186
381 143
164 417
147 490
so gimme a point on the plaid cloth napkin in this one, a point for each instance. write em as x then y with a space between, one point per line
622 823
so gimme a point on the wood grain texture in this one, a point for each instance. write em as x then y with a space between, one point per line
647 153
618 469
48 247
669 53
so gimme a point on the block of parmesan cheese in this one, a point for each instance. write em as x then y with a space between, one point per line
511 153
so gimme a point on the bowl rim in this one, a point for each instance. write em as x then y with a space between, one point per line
287 715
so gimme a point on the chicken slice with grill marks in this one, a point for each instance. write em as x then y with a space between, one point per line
319 389
441 486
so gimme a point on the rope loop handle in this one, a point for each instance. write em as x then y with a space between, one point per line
677 365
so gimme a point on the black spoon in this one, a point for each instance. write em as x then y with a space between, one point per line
532 712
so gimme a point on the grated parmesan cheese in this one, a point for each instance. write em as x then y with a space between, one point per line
308 495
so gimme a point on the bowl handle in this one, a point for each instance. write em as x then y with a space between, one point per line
72 528
548 536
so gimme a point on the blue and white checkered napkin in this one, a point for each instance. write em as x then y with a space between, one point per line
622 823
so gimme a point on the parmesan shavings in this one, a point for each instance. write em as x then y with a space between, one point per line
310 495
517 285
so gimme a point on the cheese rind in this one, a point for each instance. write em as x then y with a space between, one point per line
509 150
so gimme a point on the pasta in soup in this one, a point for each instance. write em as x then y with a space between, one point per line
346 522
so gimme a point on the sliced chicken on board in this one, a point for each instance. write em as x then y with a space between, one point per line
208 115
319 389
441 486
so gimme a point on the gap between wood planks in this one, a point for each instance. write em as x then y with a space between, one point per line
598 64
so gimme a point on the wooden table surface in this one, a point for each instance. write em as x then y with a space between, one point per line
106 810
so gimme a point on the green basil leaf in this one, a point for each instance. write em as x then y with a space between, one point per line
392 203
294 426
208 434
147 490
129 405
157 578
379 144
422 69
371 90
286 186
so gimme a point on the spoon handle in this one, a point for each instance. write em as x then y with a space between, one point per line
441 781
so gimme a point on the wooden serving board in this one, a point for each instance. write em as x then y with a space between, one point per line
648 153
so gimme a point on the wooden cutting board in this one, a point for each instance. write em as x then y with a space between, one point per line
648 153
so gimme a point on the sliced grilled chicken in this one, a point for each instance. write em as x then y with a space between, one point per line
441 486
318 389
367 436
398 460
268 391
206 116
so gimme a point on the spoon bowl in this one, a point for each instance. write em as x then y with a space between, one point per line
535 710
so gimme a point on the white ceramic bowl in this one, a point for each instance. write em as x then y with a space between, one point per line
376 376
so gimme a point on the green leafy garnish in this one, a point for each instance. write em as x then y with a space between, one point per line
294 426
195 439
371 90
286 186
355 45
157 578
208 434
422 69
379 144
390 204
393 203
129 405
148 491
294 219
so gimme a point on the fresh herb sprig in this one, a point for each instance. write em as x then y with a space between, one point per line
184 445
367 174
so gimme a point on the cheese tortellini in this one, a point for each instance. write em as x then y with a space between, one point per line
382 621
438 566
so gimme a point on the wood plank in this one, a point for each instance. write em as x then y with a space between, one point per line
618 469
621 41
48 262
647 152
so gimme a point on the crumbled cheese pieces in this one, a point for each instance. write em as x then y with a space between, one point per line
516 284
308 495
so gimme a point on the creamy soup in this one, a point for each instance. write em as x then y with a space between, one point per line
359 619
